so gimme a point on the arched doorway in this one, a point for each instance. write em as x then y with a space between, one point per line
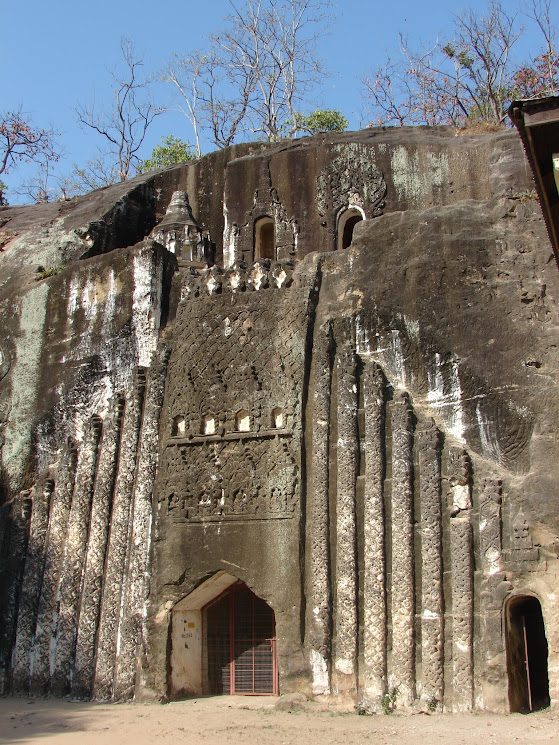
264 239
223 640
527 653
241 643
347 221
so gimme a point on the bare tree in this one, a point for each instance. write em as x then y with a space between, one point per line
256 72
466 78
540 12
21 140
124 125
214 94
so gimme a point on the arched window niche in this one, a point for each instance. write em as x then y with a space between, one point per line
242 421
264 239
277 418
178 426
208 424
347 220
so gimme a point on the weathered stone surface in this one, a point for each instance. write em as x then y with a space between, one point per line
367 438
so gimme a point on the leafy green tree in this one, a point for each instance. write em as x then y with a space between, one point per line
322 120
171 150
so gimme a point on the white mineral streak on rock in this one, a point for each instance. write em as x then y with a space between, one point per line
455 399
228 240
445 397
319 667
110 300
435 394
24 381
362 344
398 366
73 289
412 327
146 304
488 437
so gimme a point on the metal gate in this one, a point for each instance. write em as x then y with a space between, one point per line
241 644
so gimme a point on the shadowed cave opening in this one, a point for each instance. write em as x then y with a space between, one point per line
527 653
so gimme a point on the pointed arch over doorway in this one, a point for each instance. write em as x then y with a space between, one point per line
347 220
223 640
527 653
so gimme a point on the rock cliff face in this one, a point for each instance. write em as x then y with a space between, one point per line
298 433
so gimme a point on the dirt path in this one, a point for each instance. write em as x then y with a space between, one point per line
232 720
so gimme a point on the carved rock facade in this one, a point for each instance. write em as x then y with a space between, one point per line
359 443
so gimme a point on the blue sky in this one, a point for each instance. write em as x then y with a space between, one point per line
56 53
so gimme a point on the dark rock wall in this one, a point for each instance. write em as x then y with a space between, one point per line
367 438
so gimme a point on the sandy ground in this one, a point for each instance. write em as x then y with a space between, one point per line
230 720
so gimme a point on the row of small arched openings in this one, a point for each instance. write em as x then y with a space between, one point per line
243 423
265 232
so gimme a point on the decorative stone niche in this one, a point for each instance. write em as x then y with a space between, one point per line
242 421
178 427
208 425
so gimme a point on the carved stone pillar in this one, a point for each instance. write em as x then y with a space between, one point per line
58 523
137 587
346 538
320 601
19 515
432 619
461 549
493 589
403 663
31 587
71 575
95 562
111 605
374 581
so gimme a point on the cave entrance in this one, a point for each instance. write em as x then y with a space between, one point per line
223 640
241 643
527 654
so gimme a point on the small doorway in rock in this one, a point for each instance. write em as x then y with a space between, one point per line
346 225
264 239
241 644
527 654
